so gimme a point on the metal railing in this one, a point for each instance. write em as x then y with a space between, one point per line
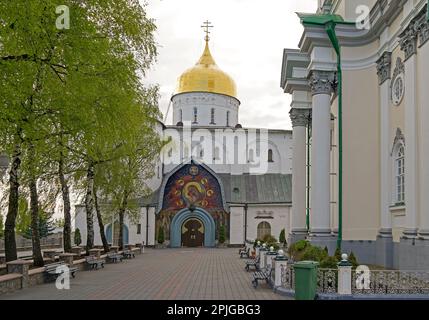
390 282
327 280
288 277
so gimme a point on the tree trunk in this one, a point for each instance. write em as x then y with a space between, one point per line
100 222
12 212
35 237
66 201
89 206
122 209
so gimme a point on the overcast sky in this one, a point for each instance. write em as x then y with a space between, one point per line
247 42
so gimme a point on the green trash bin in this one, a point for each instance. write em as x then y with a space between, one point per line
305 280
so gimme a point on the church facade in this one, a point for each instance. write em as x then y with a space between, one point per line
215 178
368 179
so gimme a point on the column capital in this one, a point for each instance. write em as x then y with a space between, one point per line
422 27
408 40
299 117
322 82
384 67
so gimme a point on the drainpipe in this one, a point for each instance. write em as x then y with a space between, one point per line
330 21
245 223
147 225
330 30
308 179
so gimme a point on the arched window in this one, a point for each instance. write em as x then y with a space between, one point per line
227 118
195 115
251 155
212 116
216 154
264 228
400 174
270 155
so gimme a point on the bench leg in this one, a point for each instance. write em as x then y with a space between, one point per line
255 283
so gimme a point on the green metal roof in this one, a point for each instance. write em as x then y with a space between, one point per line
319 19
267 188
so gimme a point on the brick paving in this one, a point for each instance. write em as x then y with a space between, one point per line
163 274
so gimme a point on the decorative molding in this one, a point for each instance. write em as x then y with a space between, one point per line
408 41
399 68
322 82
399 138
422 27
299 117
384 66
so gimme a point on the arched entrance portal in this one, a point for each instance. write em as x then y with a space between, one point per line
200 221
192 233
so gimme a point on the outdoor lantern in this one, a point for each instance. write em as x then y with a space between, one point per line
344 257
281 253
264 245
259 243
271 249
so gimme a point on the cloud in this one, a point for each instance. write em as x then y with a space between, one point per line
247 43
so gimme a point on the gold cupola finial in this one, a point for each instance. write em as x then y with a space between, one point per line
207 25
206 76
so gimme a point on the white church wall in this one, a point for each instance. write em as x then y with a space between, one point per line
236 230
204 102
279 219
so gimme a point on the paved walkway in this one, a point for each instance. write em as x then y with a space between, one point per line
163 274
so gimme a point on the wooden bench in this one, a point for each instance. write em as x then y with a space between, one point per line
114 257
245 253
254 263
128 254
94 263
264 274
54 270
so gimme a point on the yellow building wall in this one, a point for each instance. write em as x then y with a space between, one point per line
361 162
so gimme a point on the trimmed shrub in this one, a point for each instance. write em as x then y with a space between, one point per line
222 234
353 260
77 237
161 237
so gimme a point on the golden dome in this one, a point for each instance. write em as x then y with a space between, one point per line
206 76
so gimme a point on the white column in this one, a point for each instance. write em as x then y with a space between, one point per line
321 83
424 130
409 46
298 228
383 71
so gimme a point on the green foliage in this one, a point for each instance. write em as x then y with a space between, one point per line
282 237
338 254
23 220
46 226
161 237
314 253
296 249
77 237
1 227
328 262
59 223
222 235
353 260
269 239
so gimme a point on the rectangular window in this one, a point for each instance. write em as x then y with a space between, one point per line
212 116
139 229
195 115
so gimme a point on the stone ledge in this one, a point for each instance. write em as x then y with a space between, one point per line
10 276
36 271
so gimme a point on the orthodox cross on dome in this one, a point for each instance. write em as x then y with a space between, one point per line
207 25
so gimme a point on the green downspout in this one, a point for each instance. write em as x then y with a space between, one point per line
330 21
330 30
308 178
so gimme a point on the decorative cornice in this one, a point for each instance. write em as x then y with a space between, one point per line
408 41
322 82
422 27
399 138
299 117
384 66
